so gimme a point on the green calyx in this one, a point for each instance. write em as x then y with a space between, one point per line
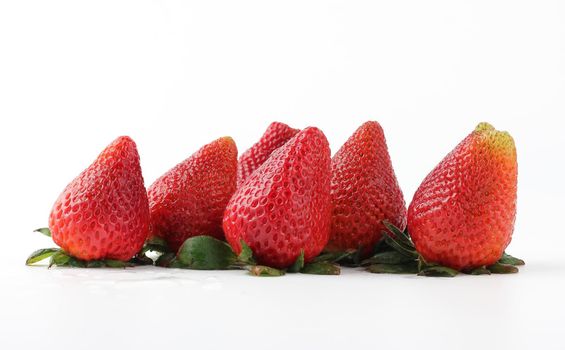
264 271
394 254
44 230
208 253
404 258
298 265
58 257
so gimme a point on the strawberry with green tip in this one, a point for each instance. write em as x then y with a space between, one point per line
189 200
462 215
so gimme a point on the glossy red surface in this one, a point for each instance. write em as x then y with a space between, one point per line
189 200
103 213
364 191
284 207
462 215
276 135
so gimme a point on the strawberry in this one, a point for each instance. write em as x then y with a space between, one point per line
104 213
189 200
364 191
276 135
284 207
462 215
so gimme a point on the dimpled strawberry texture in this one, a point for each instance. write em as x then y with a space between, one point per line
364 191
462 216
189 200
276 135
284 207
103 213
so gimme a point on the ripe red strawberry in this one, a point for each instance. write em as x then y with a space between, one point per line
462 215
284 207
276 135
364 191
189 200
103 213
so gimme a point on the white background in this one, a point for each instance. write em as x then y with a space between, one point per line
175 75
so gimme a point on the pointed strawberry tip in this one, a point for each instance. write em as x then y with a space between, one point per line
371 124
484 126
498 140
229 143
227 139
122 141
312 130
278 125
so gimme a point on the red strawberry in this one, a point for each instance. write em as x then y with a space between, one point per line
284 207
276 135
462 215
189 200
364 191
103 213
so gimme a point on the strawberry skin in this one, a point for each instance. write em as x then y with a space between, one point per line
284 207
364 191
104 213
276 135
189 200
462 215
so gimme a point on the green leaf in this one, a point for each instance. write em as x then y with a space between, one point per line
116 263
411 268
95 264
334 256
352 258
478 271
508 259
399 236
502 268
399 247
264 271
44 230
381 247
206 253
59 259
423 264
298 264
74 262
176 264
438 271
390 258
321 268
41 254
141 259
165 259
246 254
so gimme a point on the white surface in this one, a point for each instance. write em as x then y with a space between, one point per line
177 74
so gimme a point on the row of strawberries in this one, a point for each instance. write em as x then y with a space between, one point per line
287 205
